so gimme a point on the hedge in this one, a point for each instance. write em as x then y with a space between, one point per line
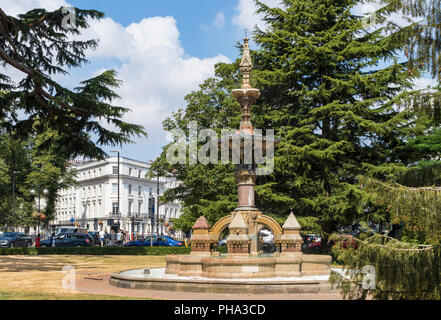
132 251
222 249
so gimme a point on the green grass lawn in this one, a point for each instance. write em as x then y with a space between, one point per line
40 277
17 295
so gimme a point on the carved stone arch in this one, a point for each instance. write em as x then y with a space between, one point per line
272 225
219 226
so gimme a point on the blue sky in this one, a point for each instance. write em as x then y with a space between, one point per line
205 31
161 50
194 18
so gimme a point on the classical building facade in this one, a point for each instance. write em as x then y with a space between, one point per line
93 202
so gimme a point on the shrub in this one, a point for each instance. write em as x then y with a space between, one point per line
156 251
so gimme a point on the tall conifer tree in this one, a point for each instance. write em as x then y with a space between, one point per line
329 89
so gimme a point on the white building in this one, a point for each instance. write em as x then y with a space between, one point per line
93 202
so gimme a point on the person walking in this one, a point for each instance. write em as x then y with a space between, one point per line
37 241
53 240
119 238
112 238
123 237
101 235
106 238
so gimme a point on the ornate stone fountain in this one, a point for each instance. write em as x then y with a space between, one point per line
243 259
244 268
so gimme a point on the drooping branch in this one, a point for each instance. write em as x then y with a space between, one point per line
417 208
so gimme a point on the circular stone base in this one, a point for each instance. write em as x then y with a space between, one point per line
157 279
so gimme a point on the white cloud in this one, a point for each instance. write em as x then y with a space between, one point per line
247 18
219 21
423 83
15 7
365 8
155 70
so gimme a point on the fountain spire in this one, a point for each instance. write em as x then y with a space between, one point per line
246 65
246 95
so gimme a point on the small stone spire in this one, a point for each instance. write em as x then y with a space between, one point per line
238 223
200 239
291 223
238 242
201 223
291 240
246 65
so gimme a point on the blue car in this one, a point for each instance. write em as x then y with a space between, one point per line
161 241
69 240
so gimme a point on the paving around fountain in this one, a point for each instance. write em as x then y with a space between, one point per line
99 284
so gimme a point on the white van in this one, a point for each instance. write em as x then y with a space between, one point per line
70 230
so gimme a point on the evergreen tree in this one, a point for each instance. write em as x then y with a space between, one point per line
420 40
384 268
327 93
39 44
329 97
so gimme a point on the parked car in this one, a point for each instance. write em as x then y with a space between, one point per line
95 235
160 241
15 239
70 230
348 241
69 240
268 246
312 242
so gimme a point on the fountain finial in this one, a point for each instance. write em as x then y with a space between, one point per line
246 65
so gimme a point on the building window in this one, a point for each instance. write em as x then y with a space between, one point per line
114 188
139 174
130 207
139 190
139 206
115 208
130 171
115 170
130 189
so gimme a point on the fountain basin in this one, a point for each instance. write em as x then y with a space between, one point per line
245 267
158 279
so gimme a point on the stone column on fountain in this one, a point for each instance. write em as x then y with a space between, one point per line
238 242
200 239
245 172
291 240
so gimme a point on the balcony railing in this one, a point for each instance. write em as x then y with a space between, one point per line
138 215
